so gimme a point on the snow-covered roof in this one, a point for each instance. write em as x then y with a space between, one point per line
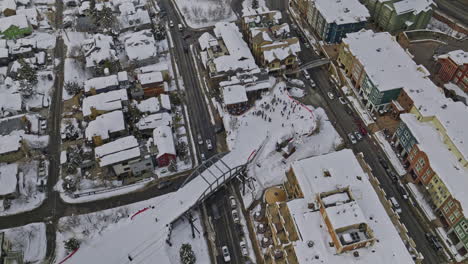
122 76
442 161
413 6
234 94
136 19
104 101
126 8
119 150
345 214
98 48
150 105
10 99
150 77
101 83
342 11
16 20
278 53
205 40
460 57
140 45
30 13
344 171
7 4
399 70
8 178
154 120
239 56
105 124
256 15
9 143
164 141
165 101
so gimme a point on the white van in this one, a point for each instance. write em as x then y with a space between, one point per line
396 205
180 27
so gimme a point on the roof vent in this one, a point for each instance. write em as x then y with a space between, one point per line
346 10
356 254
443 106
378 49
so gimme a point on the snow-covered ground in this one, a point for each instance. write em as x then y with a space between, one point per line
30 239
379 135
74 72
205 13
426 207
29 195
440 26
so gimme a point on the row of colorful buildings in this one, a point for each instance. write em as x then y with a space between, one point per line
332 20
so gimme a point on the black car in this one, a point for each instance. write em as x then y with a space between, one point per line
433 241
383 163
393 176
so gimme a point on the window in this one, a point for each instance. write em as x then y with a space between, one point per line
456 213
451 218
450 203
464 225
125 163
446 208
148 164
421 162
460 232
126 169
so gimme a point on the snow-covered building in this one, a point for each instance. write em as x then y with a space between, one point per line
154 105
225 54
454 68
101 84
332 215
15 26
11 148
104 102
152 83
332 20
133 19
99 49
164 141
140 47
8 181
270 41
125 157
147 123
105 127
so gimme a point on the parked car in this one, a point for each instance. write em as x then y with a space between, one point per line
171 23
393 176
342 100
383 163
351 138
312 83
43 124
233 202
180 27
203 158
164 184
396 205
306 44
244 250
226 255
433 241
363 130
235 216
331 96
306 74
200 140
208 144
358 136
401 189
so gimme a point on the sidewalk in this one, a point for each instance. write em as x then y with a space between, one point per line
387 148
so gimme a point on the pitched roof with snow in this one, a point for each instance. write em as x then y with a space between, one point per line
442 161
105 124
460 57
239 56
344 171
9 143
150 105
150 77
163 139
104 101
101 83
140 45
154 120
98 48
342 11
17 20
8 178
165 101
117 151
205 40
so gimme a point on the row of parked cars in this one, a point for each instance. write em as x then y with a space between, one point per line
236 219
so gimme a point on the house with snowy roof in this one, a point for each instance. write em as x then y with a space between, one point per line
148 123
270 42
101 85
153 105
400 15
152 83
438 166
8 180
15 26
384 75
454 68
11 148
99 50
332 20
125 157
331 214
132 18
164 142
106 127
140 47
225 53
102 103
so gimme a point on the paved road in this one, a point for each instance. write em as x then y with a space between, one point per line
457 9
194 98
226 231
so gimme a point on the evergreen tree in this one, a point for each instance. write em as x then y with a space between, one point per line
72 244
187 256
